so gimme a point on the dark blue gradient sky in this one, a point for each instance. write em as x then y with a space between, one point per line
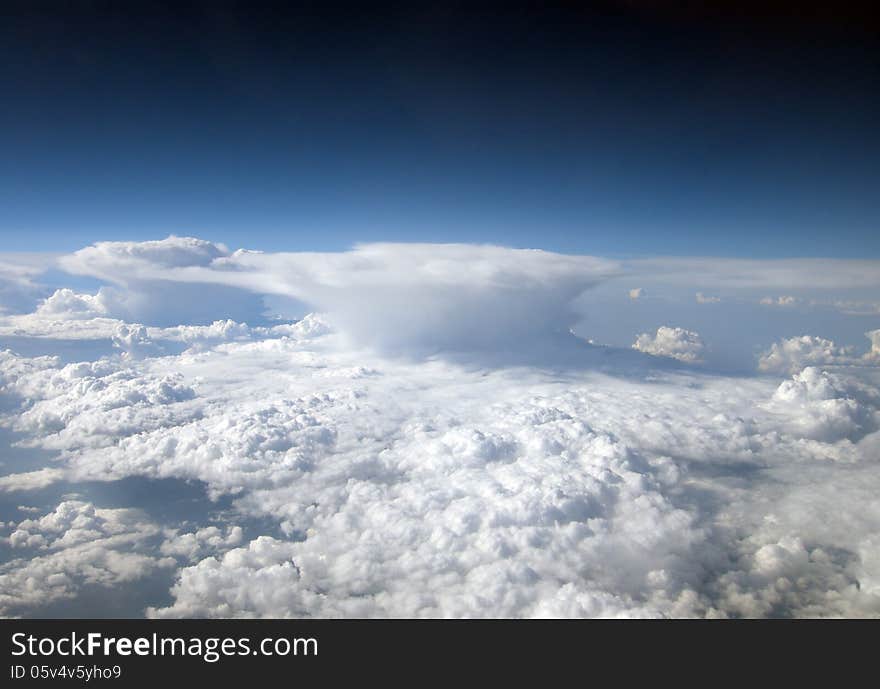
615 130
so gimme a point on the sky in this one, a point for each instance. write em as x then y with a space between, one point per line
624 129
438 313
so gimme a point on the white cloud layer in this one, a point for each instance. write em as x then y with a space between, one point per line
367 484
429 490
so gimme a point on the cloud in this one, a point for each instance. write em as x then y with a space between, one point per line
792 354
874 353
735 273
164 282
195 545
403 297
364 484
74 546
30 480
636 293
20 289
432 489
704 299
785 301
65 303
90 404
676 343
856 307
259 580
827 407
122 262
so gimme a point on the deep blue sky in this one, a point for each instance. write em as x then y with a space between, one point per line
613 131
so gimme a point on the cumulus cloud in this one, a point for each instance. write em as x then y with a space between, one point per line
195 545
260 580
827 407
792 354
676 343
65 303
73 546
784 301
707 299
92 403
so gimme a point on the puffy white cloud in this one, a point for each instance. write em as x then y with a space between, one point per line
195 545
259 580
30 480
218 331
90 404
119 262
792 354
636 293
707 299
65 303
73 546
676 343
874 353
784 301
826 406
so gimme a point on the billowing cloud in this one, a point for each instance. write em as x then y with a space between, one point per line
65 303
827 407
676 343
123 262
195 545
74 546
792 354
